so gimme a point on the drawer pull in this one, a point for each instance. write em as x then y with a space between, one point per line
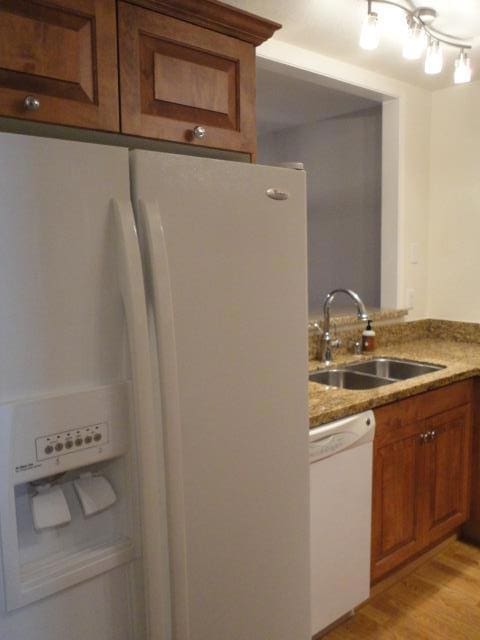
31 103
200 133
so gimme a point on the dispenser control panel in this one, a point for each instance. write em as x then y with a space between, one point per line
54 434
48 541
60 444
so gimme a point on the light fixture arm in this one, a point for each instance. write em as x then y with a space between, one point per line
434 34
414 15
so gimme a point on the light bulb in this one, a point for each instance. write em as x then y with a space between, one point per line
434 58
369 37
415 42
463 70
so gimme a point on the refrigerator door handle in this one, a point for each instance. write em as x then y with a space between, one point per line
152 236
150 456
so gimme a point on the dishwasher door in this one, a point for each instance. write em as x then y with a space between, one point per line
341 457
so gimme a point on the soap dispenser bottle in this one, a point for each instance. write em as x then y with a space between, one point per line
368 338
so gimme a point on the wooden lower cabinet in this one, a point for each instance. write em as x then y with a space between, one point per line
421 475
396 525
447 462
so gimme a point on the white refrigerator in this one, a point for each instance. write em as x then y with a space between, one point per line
182 350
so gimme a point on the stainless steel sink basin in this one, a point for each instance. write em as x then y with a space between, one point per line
348 379
393 368
372 373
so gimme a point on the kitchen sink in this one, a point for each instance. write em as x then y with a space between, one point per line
370 374
348 379
393 368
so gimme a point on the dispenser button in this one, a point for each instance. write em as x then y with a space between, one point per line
72 440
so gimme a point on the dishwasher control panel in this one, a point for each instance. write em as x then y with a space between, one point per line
332 444
331 438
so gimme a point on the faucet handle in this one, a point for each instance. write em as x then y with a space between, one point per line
335 342
355 347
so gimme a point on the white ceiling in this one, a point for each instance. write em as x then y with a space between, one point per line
332 27
284 102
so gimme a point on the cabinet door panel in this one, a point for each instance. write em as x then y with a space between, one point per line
448 469
187 85
176 76
63 52
396 525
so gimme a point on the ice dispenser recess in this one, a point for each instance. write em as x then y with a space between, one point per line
67 461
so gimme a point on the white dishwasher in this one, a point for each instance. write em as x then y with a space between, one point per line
341 458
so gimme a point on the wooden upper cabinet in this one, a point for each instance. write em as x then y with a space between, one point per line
63 53
186 83
187 67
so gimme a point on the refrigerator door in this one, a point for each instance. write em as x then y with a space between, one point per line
225 251
62 330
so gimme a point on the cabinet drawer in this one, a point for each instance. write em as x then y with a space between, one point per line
391 417
177 77
63 53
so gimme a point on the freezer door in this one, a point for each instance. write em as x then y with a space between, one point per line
225 260
62 330
61 317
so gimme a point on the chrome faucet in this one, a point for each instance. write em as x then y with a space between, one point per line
327 342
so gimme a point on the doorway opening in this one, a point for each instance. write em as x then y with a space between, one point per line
337 132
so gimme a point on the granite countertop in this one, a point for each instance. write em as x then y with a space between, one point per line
438 343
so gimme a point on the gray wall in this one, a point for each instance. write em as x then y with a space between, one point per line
342 157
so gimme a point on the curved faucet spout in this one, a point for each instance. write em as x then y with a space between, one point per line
326 337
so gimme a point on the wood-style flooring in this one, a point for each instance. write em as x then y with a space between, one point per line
440 600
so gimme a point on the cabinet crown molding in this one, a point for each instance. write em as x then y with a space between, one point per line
217 16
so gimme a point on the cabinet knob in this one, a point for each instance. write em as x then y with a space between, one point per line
199 132
423 438
31 103
433 435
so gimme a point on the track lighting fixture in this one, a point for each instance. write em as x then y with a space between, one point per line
420 35
463 71
415 41
434 58
369 37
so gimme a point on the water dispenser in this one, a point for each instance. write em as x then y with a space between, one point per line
68 491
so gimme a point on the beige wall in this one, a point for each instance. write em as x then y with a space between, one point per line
454 236
407 158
